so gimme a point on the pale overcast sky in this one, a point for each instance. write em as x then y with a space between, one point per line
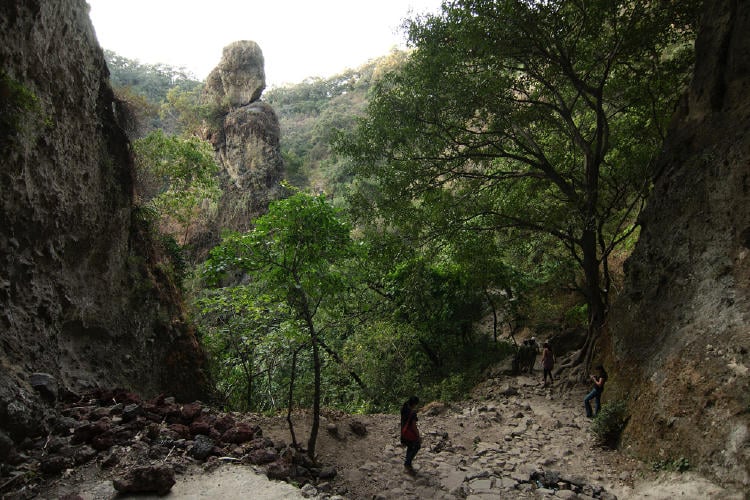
299 38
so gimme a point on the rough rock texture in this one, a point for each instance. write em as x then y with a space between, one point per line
680 332
246 142
81 299
240 77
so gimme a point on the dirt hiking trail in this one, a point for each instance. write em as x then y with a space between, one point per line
512 438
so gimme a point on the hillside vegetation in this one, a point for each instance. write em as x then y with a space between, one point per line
519 172
441 202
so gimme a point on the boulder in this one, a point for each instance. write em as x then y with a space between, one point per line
45 384
281 470
262 456
191 411
241 433
54 464
245 136
155 478
240 77
202 448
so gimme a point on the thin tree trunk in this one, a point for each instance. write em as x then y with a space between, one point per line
316 396
494 314
434 359
340 361
290 400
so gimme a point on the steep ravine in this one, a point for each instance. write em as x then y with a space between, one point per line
83 304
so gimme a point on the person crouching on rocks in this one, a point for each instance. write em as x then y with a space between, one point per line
409 432
596 393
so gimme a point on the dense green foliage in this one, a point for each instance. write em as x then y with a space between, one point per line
295 257
153 81
384 328
522 118
152 91
478 186
177 177
311 111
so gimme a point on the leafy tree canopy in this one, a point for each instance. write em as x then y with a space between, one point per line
177 176
150 80
535 116
295 256
310 111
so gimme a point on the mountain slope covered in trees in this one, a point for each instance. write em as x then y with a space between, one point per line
442 204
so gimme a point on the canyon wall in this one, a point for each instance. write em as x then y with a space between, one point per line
680 332
83 298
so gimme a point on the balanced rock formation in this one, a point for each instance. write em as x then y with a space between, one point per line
681 329
246 141
240 77
82 301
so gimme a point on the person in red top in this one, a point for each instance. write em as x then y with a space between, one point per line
409 432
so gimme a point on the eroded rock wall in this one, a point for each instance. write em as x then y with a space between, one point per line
80 295
681 329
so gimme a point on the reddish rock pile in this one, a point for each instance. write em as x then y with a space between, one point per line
121 433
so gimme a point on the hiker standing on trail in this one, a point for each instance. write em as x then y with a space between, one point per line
596 393
548 361
409 432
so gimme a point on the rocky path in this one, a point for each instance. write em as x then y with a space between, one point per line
511 438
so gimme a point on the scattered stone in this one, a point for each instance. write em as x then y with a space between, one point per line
434 409
45 384
131 411
200 427
308 491
84 454
6 446
280 470
203 446
181 431
327 473
509 391
262 456
99 413
157 478
110 461
358 428
54 464
261 442
191 411
242 433
566 494
224 423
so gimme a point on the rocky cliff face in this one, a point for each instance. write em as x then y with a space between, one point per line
80 296
246 140
681 330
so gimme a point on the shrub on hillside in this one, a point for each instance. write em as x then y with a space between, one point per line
610 422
